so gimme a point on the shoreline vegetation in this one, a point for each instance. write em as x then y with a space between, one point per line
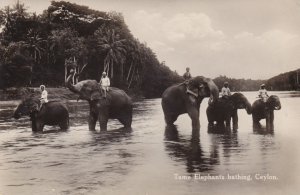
59 93
43 49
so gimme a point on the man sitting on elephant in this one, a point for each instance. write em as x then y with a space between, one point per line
44 96
186 97
225 93
225 110
105 83
187 75
262 93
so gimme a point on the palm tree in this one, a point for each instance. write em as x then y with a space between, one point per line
115 49
36 45
136 59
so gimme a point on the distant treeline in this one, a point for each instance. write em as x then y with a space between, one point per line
42 49
239 84
286 81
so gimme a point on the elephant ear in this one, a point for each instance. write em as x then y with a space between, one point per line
32 104
96 95
34 108
90 90
192 88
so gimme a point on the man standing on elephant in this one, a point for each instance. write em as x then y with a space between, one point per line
225 93
262 93
187 75
44 96
105 83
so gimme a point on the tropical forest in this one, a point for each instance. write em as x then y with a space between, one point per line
43 48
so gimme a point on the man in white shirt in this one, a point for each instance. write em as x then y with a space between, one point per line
44 96
187 75
262 93
105 83
225 92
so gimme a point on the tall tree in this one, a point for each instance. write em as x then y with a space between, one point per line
114 48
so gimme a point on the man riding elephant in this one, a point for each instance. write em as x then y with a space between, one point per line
226 109
265 110
52 113
186 98
116 105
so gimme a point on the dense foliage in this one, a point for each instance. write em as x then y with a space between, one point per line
286 81
239 84
42 49
36 49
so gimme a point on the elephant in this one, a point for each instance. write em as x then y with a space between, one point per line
186 97
116 105
51 113
265 110
226 109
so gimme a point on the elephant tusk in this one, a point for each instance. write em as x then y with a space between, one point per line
191 92
211 100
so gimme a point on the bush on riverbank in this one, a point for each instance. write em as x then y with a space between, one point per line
19 93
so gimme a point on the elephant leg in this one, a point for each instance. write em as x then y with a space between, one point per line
126 118
103 119
235 120
33 126
126 121
64 125
194 115
170 118
39 126
270 121
210 117
227 122
92 121
256 124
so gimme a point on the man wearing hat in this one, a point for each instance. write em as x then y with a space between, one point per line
105 83
44 96
225 92
262 93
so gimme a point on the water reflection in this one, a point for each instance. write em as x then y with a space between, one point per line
262 130
142 159
111 136
180 148
219 129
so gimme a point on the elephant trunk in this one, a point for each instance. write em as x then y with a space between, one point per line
17 114
214 90
248 108
278 107
69 85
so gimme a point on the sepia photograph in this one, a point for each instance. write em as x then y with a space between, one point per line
149 97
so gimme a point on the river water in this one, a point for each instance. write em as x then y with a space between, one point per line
148 159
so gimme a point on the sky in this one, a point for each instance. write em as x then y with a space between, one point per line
254 39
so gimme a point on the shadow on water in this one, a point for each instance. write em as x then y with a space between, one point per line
180 148
111 136
219 129
261 130
223 136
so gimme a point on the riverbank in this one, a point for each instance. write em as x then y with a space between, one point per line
53 93
62 93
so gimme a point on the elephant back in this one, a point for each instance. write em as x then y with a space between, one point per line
118 97
53 111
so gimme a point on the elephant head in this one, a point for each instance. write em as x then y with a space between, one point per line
203 87
241 102
88 89
26 107
273 103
